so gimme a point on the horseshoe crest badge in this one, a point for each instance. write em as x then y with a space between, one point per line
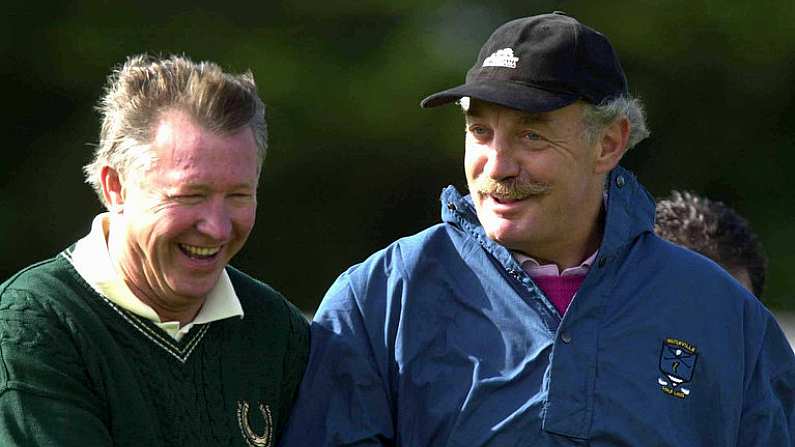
253 439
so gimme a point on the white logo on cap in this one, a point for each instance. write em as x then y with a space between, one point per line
464 102
501 58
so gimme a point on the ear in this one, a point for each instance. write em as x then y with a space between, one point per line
112 187
612 145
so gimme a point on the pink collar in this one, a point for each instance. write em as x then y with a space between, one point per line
535 269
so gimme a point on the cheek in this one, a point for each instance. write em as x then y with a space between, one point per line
473 162
149 237
244 218
169 226
168 222
542 166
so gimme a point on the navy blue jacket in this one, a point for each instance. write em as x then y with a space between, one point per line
442 340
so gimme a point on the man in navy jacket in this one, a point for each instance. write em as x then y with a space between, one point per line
543 310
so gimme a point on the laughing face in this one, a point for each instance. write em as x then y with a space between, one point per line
176 224
535 180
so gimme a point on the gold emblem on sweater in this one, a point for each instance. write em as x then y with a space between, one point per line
253 439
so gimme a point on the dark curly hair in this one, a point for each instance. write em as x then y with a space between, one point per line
714 230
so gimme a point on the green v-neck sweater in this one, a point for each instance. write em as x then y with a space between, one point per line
77 370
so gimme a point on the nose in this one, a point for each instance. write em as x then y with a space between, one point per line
215 221
501 162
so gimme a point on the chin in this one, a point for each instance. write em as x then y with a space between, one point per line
505 237
195 289
501 228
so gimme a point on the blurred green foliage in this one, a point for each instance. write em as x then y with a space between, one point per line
354 163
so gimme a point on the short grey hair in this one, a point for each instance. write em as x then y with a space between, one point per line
597 117
145 87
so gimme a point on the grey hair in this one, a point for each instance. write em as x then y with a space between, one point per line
597 117
146 87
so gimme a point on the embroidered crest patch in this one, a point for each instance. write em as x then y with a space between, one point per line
677 363
253 439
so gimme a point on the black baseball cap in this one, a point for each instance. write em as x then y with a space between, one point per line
541 63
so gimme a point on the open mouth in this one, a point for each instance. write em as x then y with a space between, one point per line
505 200
196 252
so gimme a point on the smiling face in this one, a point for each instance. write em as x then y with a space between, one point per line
535 180
175 225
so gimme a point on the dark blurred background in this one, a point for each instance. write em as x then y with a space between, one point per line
354 163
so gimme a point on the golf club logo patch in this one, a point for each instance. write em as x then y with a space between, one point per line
254 439
677 363
501 58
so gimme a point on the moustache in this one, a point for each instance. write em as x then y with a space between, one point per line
513 189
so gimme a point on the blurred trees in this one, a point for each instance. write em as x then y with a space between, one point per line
354 162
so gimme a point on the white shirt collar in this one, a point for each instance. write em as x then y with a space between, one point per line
92 261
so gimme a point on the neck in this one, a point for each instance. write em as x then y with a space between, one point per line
571 255
166 311
167 308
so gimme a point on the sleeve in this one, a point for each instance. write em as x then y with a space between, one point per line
768 415
344 398
45 395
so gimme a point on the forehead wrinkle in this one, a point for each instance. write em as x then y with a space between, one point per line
209 186
186 178
524 118
534 118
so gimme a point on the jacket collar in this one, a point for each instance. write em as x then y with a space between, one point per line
630 212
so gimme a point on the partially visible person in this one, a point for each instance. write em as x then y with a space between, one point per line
141 334
717 232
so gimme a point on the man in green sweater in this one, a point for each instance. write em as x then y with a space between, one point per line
141 334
